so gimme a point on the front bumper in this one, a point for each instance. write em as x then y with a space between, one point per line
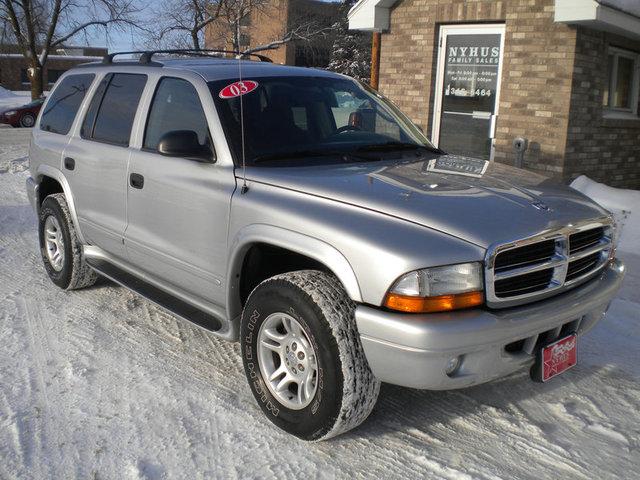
413 350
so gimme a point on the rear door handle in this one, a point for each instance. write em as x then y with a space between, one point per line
136 180
69 163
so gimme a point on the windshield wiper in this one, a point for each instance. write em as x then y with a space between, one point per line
297 154
389 146
345 156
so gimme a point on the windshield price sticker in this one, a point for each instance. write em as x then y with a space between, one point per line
236 89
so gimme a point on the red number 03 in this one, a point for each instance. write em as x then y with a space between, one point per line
238 88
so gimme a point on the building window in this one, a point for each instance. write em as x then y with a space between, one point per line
623 81
24 76
245 40
53 75
246 20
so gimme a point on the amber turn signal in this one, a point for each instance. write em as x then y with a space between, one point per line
442 303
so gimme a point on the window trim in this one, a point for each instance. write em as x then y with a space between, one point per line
111 75
617 52
150 108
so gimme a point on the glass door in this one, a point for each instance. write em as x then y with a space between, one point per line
467 89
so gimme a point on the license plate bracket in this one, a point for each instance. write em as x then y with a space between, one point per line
555 358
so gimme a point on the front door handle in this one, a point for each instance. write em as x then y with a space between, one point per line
136 180
69 163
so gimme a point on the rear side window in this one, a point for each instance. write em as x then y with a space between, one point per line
175 106
63 105
110 115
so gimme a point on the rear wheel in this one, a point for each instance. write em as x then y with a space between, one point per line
60 248
303 357
28 120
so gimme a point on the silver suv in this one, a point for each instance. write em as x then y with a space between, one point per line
302 214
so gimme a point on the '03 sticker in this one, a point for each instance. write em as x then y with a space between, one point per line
238 88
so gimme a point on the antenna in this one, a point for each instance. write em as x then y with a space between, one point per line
244 188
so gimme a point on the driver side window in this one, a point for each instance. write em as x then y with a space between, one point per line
175 106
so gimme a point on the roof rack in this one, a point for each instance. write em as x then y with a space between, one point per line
146 55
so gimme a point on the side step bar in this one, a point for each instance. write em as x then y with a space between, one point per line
174 305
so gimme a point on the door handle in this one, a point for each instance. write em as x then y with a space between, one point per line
136 180
69 163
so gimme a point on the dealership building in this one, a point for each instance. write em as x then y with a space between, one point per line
477 75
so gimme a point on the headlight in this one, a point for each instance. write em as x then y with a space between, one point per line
438 289
10 112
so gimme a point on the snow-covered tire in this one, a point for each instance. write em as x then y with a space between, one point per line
346 388
75 273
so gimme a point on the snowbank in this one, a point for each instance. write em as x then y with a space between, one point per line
4 93
625 206
9 99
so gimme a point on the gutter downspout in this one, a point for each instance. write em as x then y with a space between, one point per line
375 59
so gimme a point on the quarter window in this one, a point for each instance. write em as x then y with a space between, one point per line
623 81
63 104
175 106
113 108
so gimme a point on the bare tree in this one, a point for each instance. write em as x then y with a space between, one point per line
302 27
181 23
39 27
303 33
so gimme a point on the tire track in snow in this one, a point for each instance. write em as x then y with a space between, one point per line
169 399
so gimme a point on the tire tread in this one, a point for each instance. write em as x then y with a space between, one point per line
360 387
82 275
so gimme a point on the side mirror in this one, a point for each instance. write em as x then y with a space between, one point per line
184 143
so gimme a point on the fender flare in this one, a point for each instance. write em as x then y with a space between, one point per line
291 240
49 171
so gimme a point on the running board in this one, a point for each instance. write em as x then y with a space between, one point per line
174 305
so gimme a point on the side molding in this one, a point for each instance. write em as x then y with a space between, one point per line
46 170
297 242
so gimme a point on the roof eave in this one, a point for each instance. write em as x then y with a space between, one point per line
592 14
370 15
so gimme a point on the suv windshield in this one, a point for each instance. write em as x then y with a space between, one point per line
304 119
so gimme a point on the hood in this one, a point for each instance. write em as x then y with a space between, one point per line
477 201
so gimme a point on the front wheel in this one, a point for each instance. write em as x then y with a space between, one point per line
303 357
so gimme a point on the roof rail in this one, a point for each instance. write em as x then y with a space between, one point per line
145 55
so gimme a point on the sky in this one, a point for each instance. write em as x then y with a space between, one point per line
117 39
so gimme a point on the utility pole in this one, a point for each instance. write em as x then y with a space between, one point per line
375 60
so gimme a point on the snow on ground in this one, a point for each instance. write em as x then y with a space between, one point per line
100 383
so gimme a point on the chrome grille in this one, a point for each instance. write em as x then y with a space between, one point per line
529 269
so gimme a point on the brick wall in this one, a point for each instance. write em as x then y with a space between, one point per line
605 149
10 67
272 20
536 78
553 79
268 23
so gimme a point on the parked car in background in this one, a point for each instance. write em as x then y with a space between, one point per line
24 116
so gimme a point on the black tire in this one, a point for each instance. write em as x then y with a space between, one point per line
346 388
75 272
28 120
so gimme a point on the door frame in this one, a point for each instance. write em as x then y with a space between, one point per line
468 29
